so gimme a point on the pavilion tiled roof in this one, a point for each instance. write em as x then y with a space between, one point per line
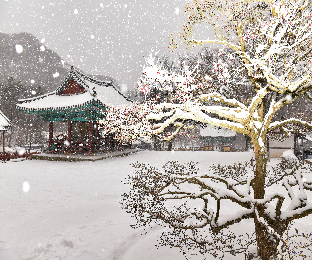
216 132
4 122
102 92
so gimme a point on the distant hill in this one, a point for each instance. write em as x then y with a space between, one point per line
24 58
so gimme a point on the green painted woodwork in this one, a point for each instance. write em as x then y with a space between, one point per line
220 139
93 111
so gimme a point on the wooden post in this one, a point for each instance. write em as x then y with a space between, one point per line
3 141
97 135
50 135
90 136
69 137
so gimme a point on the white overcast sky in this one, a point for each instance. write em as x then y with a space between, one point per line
98 36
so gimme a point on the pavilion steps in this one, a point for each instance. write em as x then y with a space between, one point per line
82 157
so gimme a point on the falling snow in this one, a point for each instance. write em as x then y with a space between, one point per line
61 210
56 74
26 186
96 30
19 48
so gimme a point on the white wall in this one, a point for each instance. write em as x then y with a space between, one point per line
277 147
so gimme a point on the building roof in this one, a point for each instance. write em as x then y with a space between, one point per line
77 90
4 122
214 132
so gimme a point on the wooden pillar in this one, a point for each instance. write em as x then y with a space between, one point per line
69 137
3 141
90 136
50 135
114 143
107 142
97 135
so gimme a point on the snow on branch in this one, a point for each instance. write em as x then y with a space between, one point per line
273 44
219 98
183 198
277 124
270 35
199 113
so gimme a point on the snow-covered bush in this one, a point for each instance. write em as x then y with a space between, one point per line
191 205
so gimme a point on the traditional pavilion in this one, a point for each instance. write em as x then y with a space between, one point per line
217 139
81 101
5 124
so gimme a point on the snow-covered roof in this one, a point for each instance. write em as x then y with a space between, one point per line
309 136
54 101
4 122
94 90
109 95
214 132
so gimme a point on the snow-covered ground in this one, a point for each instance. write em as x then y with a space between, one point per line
70 210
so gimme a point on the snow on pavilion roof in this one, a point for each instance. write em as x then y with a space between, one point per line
309 136
4 122
87 90
214 132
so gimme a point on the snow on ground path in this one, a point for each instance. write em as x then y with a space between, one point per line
71 210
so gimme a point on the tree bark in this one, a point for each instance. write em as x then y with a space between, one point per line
259 173
266 242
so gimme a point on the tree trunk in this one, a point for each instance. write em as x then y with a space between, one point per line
259 173
247 142
266 242
170 145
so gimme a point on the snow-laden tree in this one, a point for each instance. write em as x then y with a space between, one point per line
176 84
163 81
25 129
127 123
272 41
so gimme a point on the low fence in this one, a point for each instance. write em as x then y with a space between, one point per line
6 156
